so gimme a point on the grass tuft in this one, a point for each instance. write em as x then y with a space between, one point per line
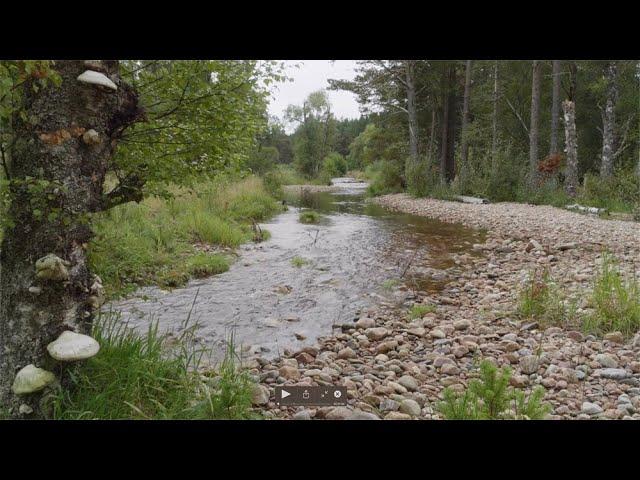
309 216
418 311
615 301
150 377
298 261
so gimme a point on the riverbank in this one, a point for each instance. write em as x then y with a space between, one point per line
395 366
166 242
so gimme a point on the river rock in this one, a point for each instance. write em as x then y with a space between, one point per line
614 337
591 408
408 382
529 364
612 373
462 324
388 404
410 407
365 323
360 415
377 333
259 395
347 353
302 415
606 360
397 416
289 372
339 413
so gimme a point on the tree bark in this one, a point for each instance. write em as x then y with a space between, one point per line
447 160
64 145
571 147
494 122
432 136
535 115
609 121
465 116
411 111
555 108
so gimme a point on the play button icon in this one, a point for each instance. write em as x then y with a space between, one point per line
284 394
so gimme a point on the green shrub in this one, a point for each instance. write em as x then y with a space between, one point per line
619 193
491 398
616 301
385 177
334 165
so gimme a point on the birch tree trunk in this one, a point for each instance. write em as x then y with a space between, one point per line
465 116
411 112
64 145
609 120
555 108
571 147
535 116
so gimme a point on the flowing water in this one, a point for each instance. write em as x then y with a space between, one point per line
354 257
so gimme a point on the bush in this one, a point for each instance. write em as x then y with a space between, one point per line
385 177
263 159
491 398
619 193
616 302
334 165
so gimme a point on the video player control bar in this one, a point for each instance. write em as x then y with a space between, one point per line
311 396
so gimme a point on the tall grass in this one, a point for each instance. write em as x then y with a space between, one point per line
542 300
148 377
152 242
615 301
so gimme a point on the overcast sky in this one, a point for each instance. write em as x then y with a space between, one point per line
312 75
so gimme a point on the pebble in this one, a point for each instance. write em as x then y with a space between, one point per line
591 408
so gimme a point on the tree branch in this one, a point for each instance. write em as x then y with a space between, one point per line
524 125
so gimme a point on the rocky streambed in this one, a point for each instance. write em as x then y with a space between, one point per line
395 367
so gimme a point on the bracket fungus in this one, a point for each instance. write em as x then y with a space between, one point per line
97 78
91 137
71 346
52 267
31 379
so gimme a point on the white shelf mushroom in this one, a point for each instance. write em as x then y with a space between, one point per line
31 379
71 346
97 78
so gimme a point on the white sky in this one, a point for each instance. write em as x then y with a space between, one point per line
312 75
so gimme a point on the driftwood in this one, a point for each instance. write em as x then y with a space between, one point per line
580 208
465 199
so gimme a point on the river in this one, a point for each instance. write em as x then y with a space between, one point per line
358 255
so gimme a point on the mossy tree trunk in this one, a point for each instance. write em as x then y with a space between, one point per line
65 138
